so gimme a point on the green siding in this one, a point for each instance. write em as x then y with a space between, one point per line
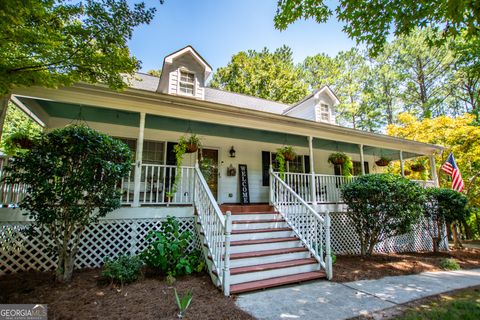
131 119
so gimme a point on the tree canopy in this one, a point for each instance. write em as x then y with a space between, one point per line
459 135
264 74
54 43
373 21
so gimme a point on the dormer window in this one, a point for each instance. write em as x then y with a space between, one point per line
324 113
187 83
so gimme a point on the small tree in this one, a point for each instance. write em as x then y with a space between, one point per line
443 207
72 175
381 206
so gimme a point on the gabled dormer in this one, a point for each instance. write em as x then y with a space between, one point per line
184 73
318 106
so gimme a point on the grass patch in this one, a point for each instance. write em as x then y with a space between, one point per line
464 305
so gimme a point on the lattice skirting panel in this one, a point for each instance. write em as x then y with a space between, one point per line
108 238
344 239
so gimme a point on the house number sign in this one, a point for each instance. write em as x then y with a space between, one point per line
243 176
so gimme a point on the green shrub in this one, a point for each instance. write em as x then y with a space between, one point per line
123 269
381 206
449 264
168 251
442 206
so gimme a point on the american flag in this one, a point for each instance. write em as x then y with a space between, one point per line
450 168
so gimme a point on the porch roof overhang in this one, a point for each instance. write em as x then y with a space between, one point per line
167 112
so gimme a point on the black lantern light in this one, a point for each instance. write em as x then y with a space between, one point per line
232 152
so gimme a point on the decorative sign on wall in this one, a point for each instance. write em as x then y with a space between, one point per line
243 176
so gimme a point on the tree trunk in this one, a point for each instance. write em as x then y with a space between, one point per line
457 244
65 266
4 99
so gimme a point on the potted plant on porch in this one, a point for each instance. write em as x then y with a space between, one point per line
383 161
283 154
340 158
419 165
185 145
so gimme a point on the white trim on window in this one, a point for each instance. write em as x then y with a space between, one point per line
189 82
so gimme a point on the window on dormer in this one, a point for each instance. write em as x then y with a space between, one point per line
187 83
324 112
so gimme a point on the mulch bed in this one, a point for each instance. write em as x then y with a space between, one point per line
87 297
351 268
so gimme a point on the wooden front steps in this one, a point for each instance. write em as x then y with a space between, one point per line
265 252
275 282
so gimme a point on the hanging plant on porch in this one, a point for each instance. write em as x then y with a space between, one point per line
340 158
185 145
383 161
19 141
288 153
283 154
337 158
419 165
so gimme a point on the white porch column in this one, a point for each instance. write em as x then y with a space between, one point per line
138 162
402 165
313 188
362 159
433 171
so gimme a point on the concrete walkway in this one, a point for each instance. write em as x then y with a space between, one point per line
330 300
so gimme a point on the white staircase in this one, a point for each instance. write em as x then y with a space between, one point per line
265 252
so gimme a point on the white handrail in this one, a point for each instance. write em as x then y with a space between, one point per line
310 227
215 228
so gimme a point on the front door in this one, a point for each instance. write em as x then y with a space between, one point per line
209 167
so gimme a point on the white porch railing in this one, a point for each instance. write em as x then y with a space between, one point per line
312 229
156 180
327 187
216 229
10 194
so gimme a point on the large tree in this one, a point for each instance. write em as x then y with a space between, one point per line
426 74
349 86
459 135
55 43
373 21
467 74
264 74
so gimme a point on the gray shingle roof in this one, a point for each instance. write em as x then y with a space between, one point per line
144 81
150 83
244 101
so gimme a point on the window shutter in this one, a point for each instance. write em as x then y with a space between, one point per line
337 169
306 163
367 169
265 168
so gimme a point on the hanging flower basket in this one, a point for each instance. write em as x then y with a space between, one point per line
417 167
191 148
287 152
382 162
289 155
338 158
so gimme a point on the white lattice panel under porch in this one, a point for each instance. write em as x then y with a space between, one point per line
344 239
108 238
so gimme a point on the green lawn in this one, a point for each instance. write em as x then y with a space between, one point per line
464 305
